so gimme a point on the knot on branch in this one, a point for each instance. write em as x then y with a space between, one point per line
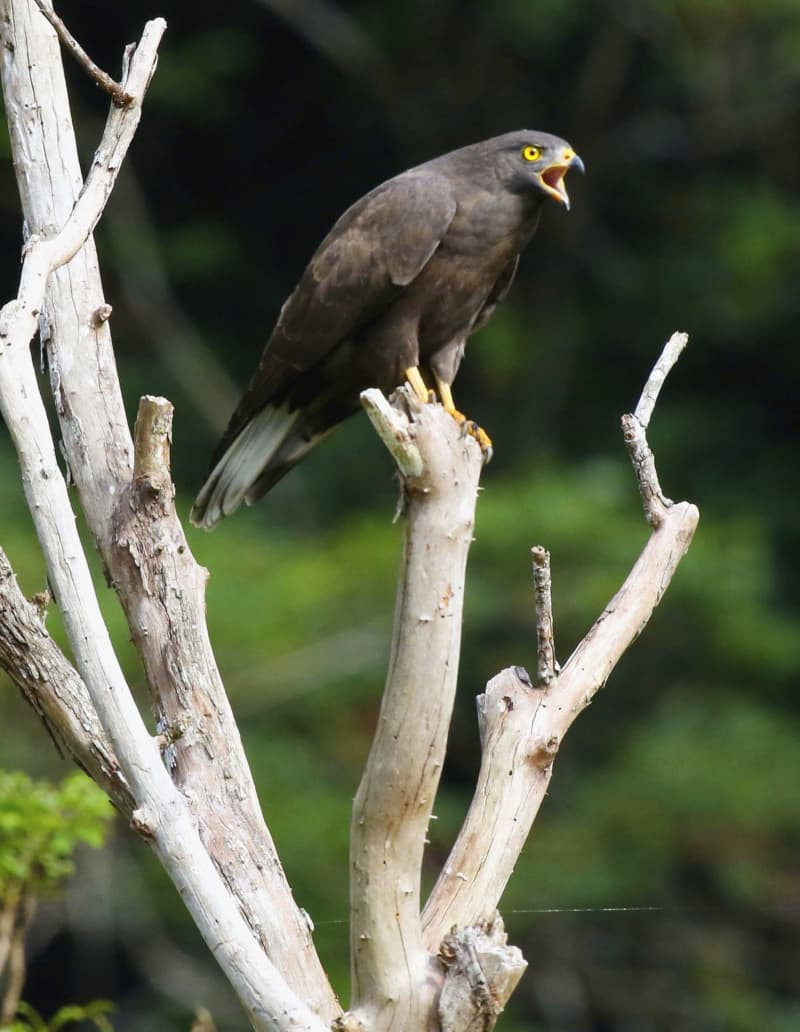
654 501
142 823
101 314
481 972
543 751
348 1023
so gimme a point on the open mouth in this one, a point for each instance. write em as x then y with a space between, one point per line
552 179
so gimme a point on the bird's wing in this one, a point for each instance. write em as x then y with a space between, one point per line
497 293
377 247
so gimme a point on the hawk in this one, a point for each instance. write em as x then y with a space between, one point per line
391 295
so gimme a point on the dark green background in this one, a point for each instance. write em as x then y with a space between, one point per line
677 791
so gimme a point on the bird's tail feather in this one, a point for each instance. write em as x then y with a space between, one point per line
289 454
243 464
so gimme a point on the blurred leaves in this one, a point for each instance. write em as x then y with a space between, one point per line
200 71
94 1013
41 825
713 789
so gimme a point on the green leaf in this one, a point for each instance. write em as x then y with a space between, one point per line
41 825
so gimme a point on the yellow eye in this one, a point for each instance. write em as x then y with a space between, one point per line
531 153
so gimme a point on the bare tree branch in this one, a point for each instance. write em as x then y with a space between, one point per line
655 381
393 429
393 974
55 690
161 815
522 729
635 426
119 96
139 536
545 649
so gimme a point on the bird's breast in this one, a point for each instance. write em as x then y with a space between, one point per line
490 223
440 306
452 290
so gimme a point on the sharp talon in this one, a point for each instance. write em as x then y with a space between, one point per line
484 440
470 427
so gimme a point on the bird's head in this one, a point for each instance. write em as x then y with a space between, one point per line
528 158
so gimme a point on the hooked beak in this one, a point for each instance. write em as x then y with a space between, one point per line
551 179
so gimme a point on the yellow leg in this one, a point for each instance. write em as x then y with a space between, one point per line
480 435
417 384
447 397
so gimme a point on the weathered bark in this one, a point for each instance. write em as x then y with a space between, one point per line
53 687
394 977
44 152
140 539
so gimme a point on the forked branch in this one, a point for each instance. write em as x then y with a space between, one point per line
398 968
119 95
522 727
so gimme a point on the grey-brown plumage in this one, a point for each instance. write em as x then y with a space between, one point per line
399 283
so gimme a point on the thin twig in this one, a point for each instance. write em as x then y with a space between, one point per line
667 359
119 95
546 665
15 981
634 427
8 917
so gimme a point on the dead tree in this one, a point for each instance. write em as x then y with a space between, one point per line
187 789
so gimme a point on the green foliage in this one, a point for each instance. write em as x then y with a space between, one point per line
41 825
29 1020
